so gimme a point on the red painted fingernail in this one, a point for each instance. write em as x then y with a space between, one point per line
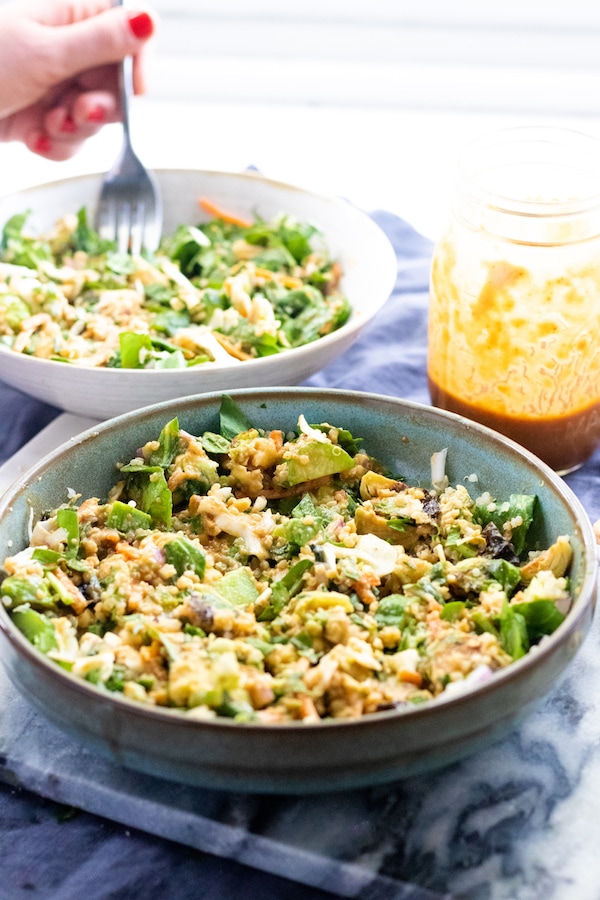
43 144
141 24
68 124
97 114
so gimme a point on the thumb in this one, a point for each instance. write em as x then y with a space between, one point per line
97 41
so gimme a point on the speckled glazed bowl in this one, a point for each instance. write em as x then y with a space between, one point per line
299 757
364 252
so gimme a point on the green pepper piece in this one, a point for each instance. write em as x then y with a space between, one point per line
47 557
67 518
184 555
126 518
314 460
38 629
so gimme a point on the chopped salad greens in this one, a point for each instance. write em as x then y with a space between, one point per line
277 577
224 292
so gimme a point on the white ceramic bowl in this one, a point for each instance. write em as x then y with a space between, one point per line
367 258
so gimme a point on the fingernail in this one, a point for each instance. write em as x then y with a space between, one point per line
68 124
43 144
141 25
96 114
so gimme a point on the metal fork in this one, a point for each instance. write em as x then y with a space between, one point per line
129 207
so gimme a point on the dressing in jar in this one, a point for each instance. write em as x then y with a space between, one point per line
514 319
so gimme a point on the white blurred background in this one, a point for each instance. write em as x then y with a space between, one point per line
369 100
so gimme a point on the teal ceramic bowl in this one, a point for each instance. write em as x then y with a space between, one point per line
331 755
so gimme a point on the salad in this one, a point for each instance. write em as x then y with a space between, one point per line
278 577
222 292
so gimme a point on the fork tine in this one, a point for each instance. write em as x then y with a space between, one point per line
105 220
123 226
136 228
129 207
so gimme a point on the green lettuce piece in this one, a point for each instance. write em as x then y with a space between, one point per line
232 420
452 610
213 443
284 589
504 573
392 611
168 445
37 628
517 506
33 590
13 311
513 632
184 555
87 238
125 518
19 249
541 617
131 345
147 486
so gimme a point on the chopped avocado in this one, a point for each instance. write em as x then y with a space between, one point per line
313 460
237 587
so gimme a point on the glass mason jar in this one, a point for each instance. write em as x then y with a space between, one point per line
514 320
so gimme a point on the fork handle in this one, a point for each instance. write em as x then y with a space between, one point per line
125 85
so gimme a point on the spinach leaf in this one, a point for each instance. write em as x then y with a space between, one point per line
517 507
232 419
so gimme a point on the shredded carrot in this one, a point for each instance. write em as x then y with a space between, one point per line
411 677
277 438
234 351
308 709
288 281
127 550
214 210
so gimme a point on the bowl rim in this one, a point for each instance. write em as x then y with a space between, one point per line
359 317
585 599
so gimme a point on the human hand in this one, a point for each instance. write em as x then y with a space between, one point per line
58 72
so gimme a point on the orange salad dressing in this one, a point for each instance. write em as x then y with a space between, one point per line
514 343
